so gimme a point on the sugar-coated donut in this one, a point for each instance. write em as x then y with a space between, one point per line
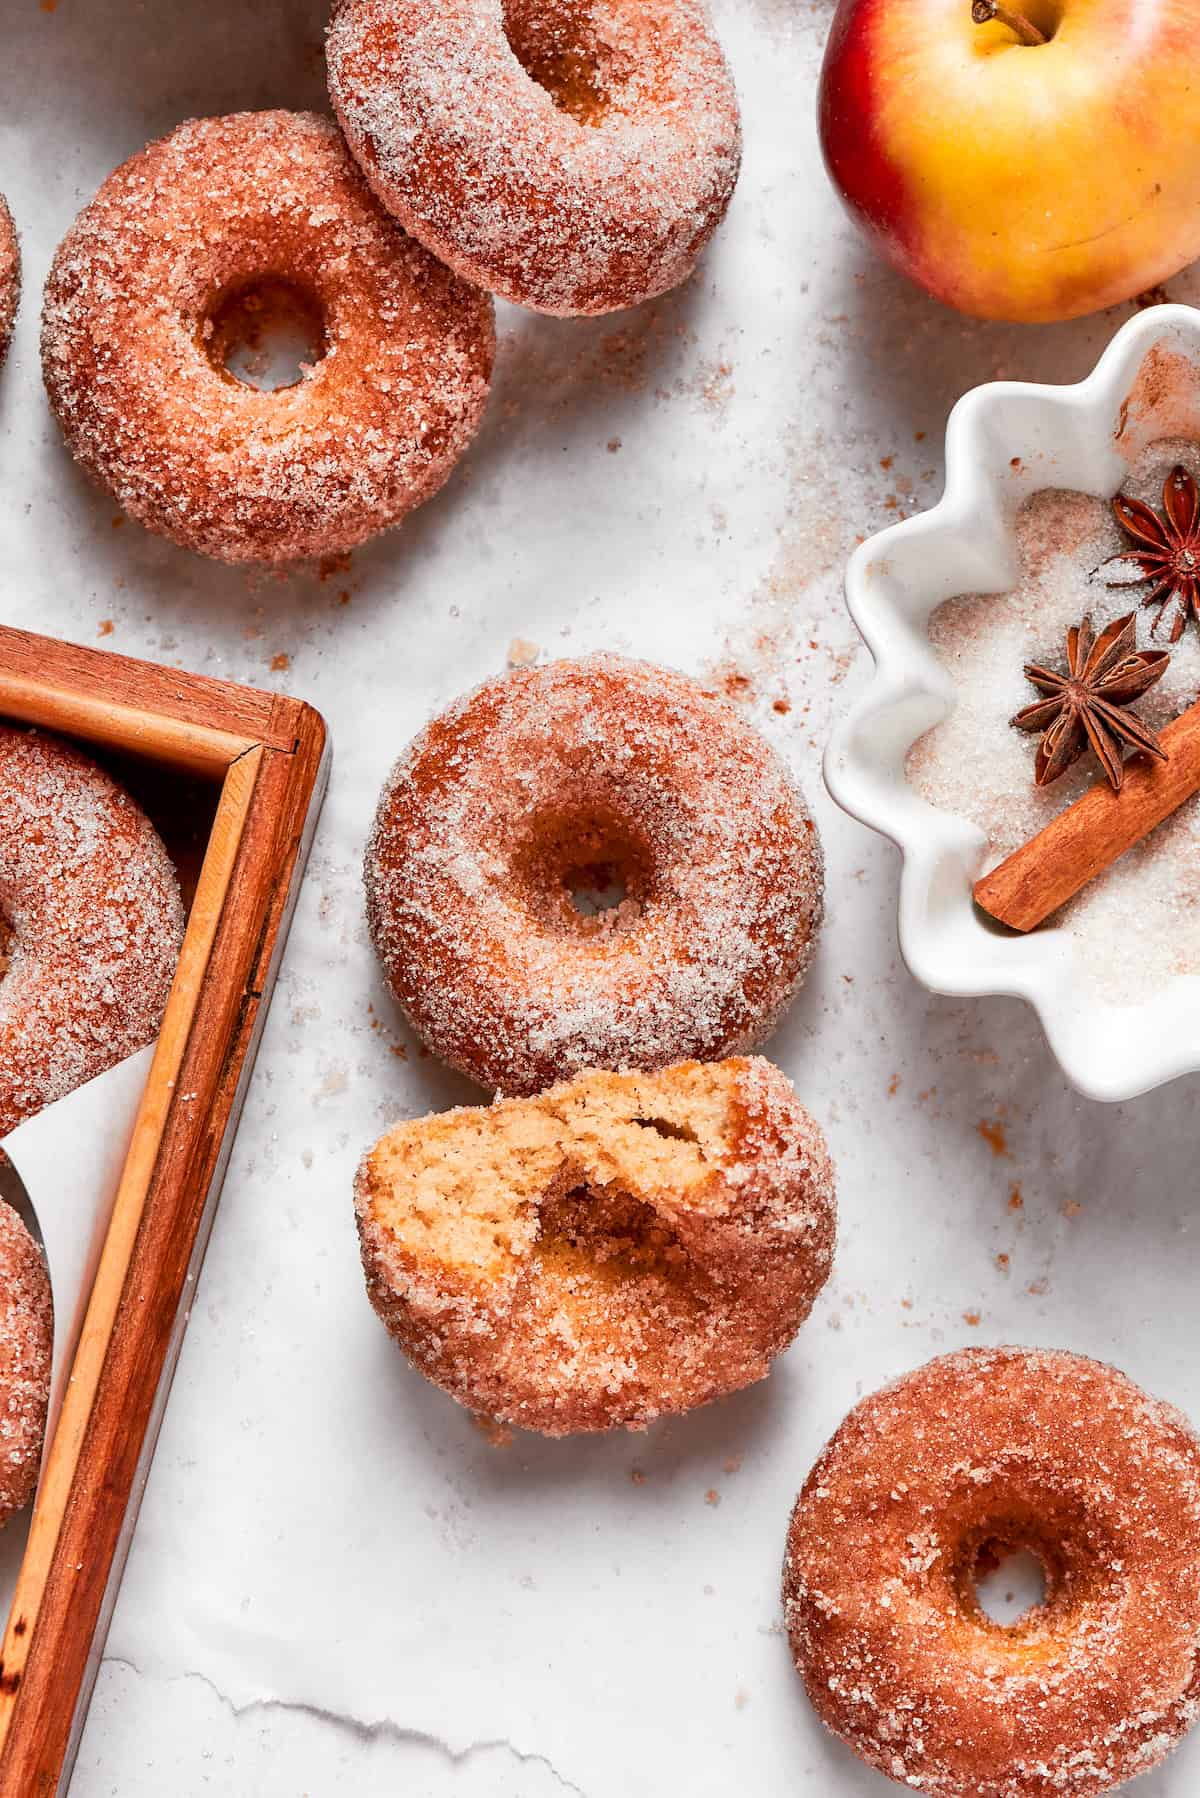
574 775
927 1482
221 208
26 1346
620 1247
91 923
10 276
573 155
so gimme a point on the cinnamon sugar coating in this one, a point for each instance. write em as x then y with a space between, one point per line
26 1345
10 276
618 1248
91 923
130 345
985 1452
573 155
577 774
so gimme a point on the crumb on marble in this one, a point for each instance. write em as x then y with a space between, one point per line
992 1132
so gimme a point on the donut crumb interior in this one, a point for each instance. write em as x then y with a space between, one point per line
618 1247
473 1189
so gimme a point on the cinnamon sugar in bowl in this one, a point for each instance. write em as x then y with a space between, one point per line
952 603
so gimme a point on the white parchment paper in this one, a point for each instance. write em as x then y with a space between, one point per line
68 1160
338 1585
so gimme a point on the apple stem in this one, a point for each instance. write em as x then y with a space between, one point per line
984 11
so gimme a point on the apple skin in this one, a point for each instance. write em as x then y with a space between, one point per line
1014 181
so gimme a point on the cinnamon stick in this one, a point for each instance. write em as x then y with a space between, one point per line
1028 887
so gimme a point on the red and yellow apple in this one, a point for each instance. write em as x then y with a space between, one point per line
1013 178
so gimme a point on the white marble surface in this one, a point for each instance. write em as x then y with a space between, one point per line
337 1584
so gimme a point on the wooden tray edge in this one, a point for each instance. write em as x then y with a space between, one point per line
55 1631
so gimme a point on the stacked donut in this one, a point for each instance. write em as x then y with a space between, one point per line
10 276
91 922
573 155
646 1225
572 158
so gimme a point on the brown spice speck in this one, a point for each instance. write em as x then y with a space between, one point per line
105 628
280 663
712 1496
992 1132
328 566
1016 1199
972 1318
395 1047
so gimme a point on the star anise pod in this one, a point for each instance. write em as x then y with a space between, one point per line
1087 705
1166 550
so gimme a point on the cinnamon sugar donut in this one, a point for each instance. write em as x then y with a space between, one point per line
90 923
220 210
620 1247
573 776
572 155
10 276
26 1345
973 1456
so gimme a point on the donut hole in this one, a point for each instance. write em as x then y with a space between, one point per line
558 47
596 889
585 874
266 334
1009 1582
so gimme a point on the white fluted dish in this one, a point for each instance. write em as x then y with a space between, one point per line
1005 441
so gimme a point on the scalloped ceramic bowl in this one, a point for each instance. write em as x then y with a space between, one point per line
1004 442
